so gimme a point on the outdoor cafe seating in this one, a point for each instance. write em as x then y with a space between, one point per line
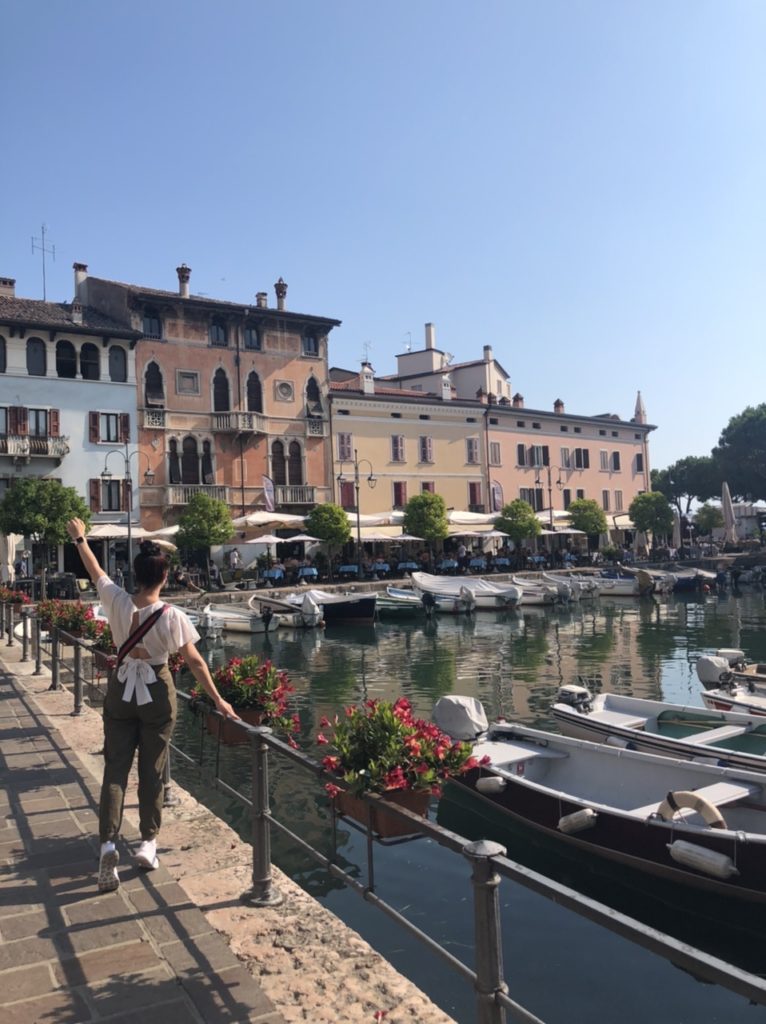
477 565
404 567
447 565
503 564
307 574
273 576
348 572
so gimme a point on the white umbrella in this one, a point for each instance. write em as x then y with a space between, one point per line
7 552
676 540
267 538
301 537
729 519
268 519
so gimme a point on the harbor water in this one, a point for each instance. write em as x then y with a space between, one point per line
558 965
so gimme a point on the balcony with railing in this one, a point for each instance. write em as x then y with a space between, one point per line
239 422
295 494
26 447
154 419
181 494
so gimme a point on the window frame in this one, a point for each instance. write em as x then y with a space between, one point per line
472 451
495 453
345 446
398 448
187 373
425 449
35 415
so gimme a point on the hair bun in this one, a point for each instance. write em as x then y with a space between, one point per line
150 549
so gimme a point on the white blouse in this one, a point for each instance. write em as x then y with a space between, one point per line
170 632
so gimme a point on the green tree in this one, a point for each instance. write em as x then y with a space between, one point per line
741 453
707 518
425 515
329 523
519 521
206 521
651 512
587 515
694 478
40 509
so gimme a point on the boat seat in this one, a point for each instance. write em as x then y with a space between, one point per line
720 794
618 718
723 732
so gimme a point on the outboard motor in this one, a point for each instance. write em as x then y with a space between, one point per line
711 669
578 697
462 718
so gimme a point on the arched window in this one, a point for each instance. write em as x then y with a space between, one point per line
295 463
2 354
254 393
154 389
208 476
252 339
37 361
174 463
90 362
218 334
152 324
221 401
312 391
66 359
190 462
278 468
118 364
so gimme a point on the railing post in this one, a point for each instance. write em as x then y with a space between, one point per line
54 634
2 619
487 933
262 894
77 679
9 617
38 648
24 636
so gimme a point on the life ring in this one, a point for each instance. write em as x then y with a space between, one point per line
686 798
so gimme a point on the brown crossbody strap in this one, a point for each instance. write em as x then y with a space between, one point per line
138 634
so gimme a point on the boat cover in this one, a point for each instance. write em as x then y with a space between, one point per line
462 718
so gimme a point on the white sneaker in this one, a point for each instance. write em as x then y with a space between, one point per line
146 855
108 879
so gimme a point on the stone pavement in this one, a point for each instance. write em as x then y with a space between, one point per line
176 944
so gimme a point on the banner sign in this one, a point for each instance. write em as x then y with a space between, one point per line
268 493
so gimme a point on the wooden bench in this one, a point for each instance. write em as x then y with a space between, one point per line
618 718
720 794
723 732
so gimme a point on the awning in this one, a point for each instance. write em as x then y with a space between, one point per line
267 519
623 522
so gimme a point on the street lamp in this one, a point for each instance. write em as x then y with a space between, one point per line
559 484
371 481
106 476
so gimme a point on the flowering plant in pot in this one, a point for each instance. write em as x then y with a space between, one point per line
8 596
70 616
257 690
381 747
99 633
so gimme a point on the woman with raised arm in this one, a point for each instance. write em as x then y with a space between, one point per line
140 702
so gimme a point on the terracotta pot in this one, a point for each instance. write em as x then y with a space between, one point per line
229 732
386 826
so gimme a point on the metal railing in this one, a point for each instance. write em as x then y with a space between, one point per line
488 861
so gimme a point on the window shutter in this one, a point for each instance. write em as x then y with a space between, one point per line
13 420
94 435
521 455
546 455
54 422
586 458
124 427
95 495
22 420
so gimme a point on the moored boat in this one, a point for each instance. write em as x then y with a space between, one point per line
473 592
729 664
534 592
669 730
232 618
699 825
337 607
300 614
398 602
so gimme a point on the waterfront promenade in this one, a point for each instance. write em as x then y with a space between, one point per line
174 945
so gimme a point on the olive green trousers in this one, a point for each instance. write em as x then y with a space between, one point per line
128 727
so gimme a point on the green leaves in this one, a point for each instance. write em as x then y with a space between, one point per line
519 521
651 512
425 515
587 515
329 523
41 508
206 522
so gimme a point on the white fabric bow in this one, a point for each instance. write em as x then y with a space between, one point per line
137 675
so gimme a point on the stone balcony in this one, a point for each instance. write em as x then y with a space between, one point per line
207 422
24 447
181 494
295 494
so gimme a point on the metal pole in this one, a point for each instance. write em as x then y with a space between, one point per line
2 619
24 636
262 894
38 649
77 679
9 620
129 504
54 659
358 519
487 933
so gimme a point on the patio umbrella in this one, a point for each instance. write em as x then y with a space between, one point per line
267 538
268 519
676 541
7 552
302 537
729 520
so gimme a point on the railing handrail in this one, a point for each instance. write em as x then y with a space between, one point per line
489 861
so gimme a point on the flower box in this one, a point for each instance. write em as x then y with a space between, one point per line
229 733
383 824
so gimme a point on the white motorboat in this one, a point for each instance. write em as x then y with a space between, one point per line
729 664
700 825
617 586
568 588
669 730
233 618
398 602
536 592
472 591
304 615
733 696
337 607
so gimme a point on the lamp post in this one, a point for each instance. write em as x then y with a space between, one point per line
559 484
371 481
106 476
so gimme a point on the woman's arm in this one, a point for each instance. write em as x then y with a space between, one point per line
76 530
198 668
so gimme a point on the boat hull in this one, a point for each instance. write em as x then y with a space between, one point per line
354 612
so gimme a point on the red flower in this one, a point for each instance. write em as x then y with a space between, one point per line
324 721
322 739
332 789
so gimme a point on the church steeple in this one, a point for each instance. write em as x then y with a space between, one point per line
639 416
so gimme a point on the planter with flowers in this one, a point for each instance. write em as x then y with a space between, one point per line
382 748
14 597
70 617
99 633
257 690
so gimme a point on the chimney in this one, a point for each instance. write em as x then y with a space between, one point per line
481 395
558 407
76 312
184 273
80 277
281 289
262 300
430 336
446 388
517 402
8 287
368 379
487 353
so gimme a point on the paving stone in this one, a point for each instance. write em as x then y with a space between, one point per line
180 1011
167 924
63 826
115 962
228 996
129 992
27 982
22 926
86 937
58 1008
208 953
104 906
26 951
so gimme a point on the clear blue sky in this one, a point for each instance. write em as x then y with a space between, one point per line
581 185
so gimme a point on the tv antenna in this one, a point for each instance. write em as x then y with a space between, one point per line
366 347
39 243
408 336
